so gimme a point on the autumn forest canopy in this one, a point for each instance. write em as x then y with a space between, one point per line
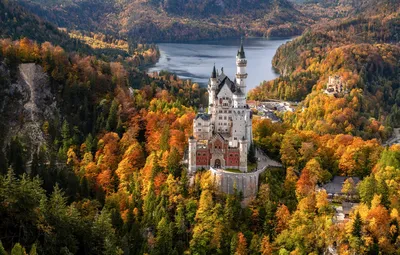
92 147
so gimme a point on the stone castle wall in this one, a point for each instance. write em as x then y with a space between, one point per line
247 183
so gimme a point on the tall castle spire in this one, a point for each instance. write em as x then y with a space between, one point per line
241 53
212 87
241 64
214 73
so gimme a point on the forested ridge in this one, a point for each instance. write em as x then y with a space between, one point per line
364 51
17 22
155 21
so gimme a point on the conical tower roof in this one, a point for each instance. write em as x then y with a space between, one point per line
241 53
214 73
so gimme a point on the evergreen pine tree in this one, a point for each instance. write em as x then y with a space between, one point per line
164 237
84 187
65 134
234 244
16 156
164 146
3 163
18 250
251 156
357 225
383 190
33 250
173 162
35 165
112 119
149 205
367 189
2 250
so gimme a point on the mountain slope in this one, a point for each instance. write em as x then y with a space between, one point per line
16 22
162 20
363 50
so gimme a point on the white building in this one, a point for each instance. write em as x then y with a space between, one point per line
223 135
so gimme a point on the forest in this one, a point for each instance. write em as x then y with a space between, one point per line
109 179
107 176
17 22
173 20
364 52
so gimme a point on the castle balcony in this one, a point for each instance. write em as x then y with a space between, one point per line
241 62
241 76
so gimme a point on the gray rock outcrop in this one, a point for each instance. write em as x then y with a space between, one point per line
26 103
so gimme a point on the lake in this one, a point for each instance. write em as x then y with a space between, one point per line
195 60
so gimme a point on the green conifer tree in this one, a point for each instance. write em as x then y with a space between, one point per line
251 156
164 237
164 146
112 119
357 226
2 250
367 189
18 250
33 250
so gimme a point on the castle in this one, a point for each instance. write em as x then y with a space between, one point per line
222 136
335 85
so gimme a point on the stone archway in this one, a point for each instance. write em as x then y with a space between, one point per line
217 163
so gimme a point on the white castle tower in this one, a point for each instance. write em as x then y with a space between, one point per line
241 64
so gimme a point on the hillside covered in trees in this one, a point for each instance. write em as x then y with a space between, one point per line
156 20
107 178
17 22
364 51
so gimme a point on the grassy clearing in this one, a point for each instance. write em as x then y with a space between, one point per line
232 170
251 167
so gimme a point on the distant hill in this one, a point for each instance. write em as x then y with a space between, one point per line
17 22
207 8
363 49
174 20
324 10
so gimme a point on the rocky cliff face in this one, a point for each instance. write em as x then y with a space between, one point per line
26 103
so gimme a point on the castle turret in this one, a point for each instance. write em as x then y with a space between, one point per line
212 87
241 74
243 147
192 155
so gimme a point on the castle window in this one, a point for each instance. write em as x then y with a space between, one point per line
198 124
225 118
199 130
220 117
235 138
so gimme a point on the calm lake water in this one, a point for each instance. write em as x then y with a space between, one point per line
195 60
